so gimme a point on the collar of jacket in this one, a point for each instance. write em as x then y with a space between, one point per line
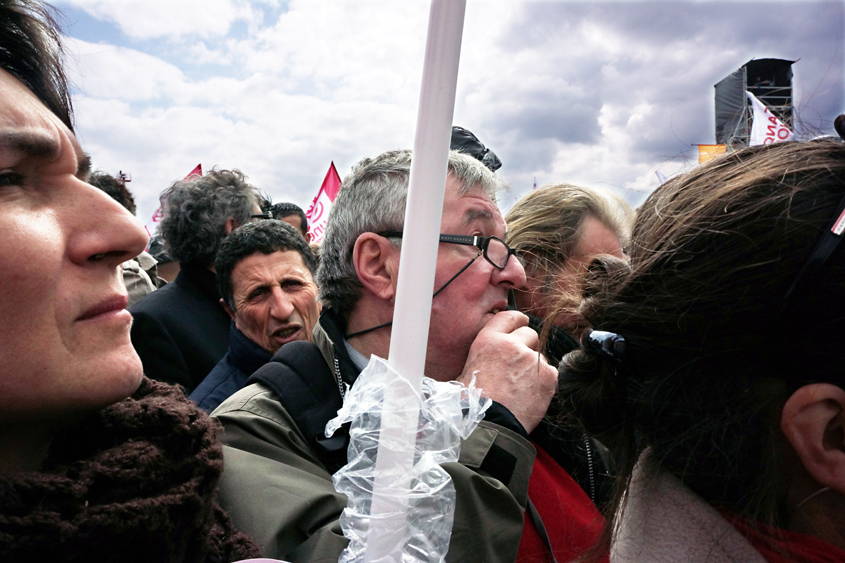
663 521
245 354
199 279
328 336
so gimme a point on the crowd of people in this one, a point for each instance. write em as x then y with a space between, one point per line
666 383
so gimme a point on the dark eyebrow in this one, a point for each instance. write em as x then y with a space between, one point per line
44 146
474 214
33 144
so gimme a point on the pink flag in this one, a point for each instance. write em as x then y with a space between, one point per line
197 171
318 213
766 128
152 224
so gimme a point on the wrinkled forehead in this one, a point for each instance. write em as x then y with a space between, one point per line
274 266
473 210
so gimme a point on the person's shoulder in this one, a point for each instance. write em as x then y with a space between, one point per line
157 300
254 420
256 399
222 382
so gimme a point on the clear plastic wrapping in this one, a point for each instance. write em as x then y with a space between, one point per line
448 412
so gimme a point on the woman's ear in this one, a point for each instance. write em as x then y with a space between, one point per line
813 421
376 261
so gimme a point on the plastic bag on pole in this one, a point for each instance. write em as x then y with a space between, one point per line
448 412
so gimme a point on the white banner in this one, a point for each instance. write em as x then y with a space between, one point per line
319 216
318 213
766 128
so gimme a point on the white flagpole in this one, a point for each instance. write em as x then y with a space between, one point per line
412 312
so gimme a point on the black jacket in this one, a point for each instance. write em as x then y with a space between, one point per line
230 373
181 331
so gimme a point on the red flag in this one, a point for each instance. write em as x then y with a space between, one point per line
152 224
197 171
318 213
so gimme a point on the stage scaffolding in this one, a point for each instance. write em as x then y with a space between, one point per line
770 80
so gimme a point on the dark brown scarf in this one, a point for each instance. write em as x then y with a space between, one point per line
135 482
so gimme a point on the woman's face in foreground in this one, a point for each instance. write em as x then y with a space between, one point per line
64 332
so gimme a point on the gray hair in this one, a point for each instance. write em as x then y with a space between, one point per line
372 200
196 211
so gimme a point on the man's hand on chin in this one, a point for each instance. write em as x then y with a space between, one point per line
509 368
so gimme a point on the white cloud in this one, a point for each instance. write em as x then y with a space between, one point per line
107 71
593 93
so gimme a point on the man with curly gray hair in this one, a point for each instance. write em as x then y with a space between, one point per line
181 331
277 483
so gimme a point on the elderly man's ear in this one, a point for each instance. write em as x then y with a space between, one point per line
376 261
813 421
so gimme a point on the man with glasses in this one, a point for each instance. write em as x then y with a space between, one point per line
277 481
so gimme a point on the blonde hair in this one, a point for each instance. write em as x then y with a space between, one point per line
545 226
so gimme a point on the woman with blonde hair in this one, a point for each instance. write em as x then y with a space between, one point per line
557 230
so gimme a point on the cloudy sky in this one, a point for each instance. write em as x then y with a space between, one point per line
601 94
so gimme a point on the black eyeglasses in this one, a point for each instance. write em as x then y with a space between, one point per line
262 216
493 249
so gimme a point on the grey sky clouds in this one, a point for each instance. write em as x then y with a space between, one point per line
594 93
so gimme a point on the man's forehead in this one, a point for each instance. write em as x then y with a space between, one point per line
294 221
278 263
472 208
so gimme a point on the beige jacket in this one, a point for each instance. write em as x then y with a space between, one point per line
663 521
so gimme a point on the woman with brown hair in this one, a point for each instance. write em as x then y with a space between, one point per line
96 462
714 367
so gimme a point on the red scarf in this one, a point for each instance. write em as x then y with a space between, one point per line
783 546
572 521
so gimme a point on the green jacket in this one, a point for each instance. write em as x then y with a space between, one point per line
277 491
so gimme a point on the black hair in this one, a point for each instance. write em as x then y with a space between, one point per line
115 188
265 236
31 50
286 209
711 353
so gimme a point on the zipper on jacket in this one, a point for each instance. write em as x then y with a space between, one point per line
590 467
342 388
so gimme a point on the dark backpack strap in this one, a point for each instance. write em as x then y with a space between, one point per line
307 388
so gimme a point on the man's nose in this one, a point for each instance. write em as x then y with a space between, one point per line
281 306
513 275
